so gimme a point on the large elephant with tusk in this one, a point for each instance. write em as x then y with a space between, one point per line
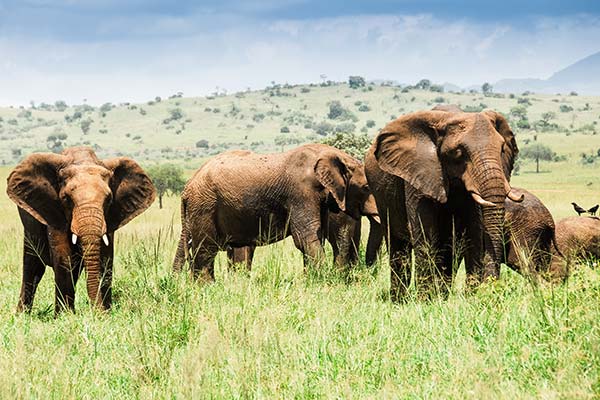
440 179
70 205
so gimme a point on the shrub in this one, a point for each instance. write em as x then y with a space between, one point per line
565 108
284 129
364 108
370 123
355 145
339 112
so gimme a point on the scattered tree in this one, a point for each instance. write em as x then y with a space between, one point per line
167 178
487 88
355 145
537 152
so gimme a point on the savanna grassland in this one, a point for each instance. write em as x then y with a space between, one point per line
278 332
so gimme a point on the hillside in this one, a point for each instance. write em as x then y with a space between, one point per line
582 77
190 129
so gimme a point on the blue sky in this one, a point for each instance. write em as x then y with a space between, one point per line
133 50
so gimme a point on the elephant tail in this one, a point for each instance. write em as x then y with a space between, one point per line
182 253
554 243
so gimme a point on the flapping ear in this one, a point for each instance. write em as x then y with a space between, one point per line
510 149
34 186
332 173
407 148
133 192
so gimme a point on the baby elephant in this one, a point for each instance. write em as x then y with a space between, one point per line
240 199
531 233
70 205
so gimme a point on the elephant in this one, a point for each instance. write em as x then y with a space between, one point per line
436 173
240 198
528 227
530 231
579 237
342 232
70 205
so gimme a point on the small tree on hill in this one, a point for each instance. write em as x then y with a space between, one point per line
537 152
167 178
356 81
486 88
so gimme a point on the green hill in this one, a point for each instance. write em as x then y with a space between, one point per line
189 129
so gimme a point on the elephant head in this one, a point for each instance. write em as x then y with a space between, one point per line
434 150
344 178
75 192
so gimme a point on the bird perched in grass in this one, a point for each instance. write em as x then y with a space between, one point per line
579 210
593 210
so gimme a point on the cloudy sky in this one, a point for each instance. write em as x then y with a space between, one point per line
133 50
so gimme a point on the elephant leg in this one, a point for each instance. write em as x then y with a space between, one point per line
239 255
373 243
36 255
426 221
64 280
400 270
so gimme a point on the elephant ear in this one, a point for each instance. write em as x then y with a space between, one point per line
332 173
133 191
34 185
407 148
510 149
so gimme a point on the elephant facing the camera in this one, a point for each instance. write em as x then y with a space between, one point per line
436 176
240 199
70 205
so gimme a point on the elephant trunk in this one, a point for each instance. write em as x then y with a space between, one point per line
89 227
490 184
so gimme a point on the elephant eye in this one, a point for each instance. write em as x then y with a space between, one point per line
456 153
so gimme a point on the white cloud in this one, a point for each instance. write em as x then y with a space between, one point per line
161 55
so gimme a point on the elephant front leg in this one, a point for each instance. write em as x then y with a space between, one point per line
65 274
400 271
35 255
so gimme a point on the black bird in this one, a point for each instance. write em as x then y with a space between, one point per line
593 210
579 210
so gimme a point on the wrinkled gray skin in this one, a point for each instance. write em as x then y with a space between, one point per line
530 231
70 205
342 232
240 199
435 172
576 237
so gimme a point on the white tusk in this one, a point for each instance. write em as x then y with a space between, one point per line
190 241
481 201
105 239
74 238
513 196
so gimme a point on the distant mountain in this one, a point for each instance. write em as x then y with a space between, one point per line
582 77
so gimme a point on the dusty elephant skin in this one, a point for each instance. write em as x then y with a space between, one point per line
577 237
240 199
530 233
70 205
438 172
342 232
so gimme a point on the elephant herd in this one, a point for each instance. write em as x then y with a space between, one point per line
434 185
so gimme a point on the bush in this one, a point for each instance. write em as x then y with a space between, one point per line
356 81
284 129
439 99
323 128
355 145
364 108
202 144
339 112
565 108
346 127
370 123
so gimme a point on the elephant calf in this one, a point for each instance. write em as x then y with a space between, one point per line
530 231
70 205
240 199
